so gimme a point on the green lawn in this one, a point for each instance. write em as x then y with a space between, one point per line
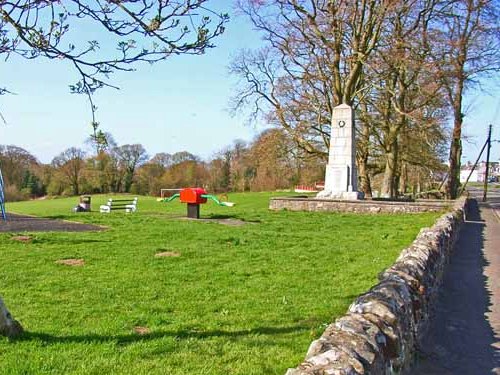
239 300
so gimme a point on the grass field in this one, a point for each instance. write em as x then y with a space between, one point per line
238 300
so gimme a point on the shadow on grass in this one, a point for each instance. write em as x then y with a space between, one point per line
68 241
178 335
71 217
58 217
229 217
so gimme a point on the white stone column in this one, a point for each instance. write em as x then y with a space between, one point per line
341 174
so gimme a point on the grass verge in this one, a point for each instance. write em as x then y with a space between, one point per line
240 299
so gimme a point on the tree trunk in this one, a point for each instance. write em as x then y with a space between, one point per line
362 155
395 182
364 177
129 179
454 160
403 179
391 161
456 140
8 325
76 189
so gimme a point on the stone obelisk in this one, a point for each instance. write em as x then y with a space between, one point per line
341 175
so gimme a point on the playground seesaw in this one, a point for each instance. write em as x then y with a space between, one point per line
194 197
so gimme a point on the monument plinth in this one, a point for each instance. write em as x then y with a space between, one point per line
341 175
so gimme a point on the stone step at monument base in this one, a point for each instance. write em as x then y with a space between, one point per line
341 195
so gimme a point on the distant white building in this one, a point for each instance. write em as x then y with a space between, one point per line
479 172
464 174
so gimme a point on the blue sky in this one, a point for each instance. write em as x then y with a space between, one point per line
484 109
180 104
175 105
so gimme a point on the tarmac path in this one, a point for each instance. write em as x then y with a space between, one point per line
22 223
464 334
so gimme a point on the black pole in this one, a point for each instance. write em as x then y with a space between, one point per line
485 191
193 210
472 170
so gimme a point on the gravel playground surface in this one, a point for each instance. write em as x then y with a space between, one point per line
21 223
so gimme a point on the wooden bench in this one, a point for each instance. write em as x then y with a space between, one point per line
129 205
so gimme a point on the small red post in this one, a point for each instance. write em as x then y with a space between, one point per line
193 198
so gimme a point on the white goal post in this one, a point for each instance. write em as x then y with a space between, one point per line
165 193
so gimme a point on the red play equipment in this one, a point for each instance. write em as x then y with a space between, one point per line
193 197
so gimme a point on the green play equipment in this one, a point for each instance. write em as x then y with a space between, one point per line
194 197
208 196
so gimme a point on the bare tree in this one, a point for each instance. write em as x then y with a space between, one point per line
275 161
405 94
316 57
314 60
15 161
187 173
182 156
129 158
71 164
162 159
369 54
465 39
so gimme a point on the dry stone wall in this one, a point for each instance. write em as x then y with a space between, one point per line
382 328
359 206
8 325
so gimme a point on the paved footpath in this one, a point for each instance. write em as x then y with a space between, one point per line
464 335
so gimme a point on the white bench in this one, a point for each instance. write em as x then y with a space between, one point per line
129 205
